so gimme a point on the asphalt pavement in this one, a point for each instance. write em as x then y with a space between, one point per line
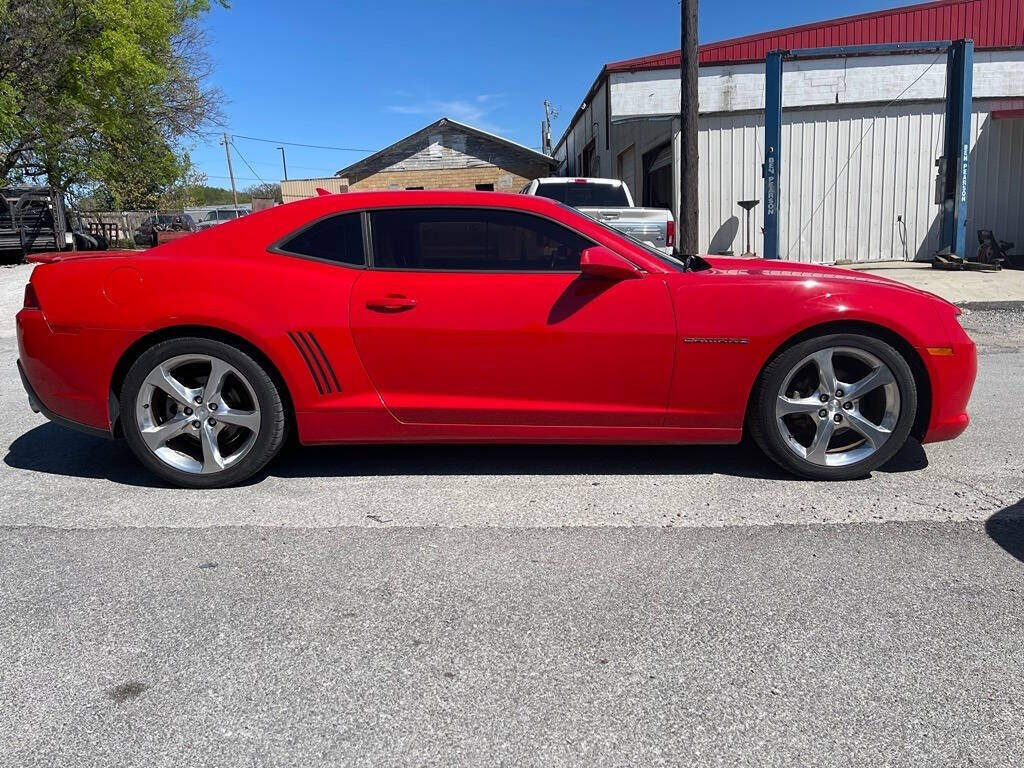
515 605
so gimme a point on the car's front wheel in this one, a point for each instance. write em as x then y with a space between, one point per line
834 407
201 413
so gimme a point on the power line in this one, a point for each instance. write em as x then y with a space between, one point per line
240 178
297 144
268 164
247 162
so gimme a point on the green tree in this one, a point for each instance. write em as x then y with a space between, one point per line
102 93
267 190
184 191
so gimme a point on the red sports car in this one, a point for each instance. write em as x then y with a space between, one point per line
446 317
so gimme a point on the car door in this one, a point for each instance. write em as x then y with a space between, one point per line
481 316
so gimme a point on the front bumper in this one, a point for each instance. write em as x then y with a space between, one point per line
952 380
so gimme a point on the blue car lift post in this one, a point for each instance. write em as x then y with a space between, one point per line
954 165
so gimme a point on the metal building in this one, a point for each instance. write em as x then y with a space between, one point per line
300 189
860 135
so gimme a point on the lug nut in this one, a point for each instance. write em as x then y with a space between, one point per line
213 406
199 400
837 418
839 393
823 413
188 411
847 406
195 425
212 422
824 398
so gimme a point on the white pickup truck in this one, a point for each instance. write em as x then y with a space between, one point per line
609 201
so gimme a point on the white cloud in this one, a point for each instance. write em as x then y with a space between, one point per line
475 111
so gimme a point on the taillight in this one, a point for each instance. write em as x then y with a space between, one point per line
31 300
670 233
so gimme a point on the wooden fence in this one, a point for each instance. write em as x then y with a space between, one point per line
118 227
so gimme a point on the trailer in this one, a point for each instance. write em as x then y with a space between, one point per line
34 219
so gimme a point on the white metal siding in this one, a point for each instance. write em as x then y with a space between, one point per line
588 125
815 82
996 196
832 211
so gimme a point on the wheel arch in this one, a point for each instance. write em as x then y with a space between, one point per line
917 367
140 345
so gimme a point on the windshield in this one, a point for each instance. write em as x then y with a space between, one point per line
582 194
223 215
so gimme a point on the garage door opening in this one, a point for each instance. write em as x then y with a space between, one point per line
657 191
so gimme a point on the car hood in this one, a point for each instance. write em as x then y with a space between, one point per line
788 271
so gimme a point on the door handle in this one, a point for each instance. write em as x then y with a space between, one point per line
391 304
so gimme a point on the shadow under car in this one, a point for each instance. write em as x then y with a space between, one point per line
51 449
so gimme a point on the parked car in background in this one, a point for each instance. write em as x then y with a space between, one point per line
609 201
219 216
448 316
146 234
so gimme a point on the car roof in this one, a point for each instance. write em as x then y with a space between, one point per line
283 218
385 198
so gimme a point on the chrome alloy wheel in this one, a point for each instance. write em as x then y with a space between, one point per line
197 414
837 406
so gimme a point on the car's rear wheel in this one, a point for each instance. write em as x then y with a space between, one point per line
834 407
201 413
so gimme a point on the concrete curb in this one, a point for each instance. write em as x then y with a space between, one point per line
990 305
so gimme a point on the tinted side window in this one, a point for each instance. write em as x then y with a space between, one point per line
339 238
473 239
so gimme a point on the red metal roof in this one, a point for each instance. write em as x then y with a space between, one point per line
990 23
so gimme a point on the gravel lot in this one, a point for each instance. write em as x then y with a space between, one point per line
515 605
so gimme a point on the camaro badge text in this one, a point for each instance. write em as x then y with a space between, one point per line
713 340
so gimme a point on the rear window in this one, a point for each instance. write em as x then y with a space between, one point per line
338 239
583 195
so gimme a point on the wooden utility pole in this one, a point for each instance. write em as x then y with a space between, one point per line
688 111
550 113
231 171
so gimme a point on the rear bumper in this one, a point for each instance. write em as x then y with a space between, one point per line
38 406
67 371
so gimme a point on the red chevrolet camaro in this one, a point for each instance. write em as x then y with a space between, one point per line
478 317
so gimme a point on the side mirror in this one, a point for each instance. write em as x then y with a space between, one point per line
598 261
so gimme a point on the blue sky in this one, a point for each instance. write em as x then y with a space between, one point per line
364 73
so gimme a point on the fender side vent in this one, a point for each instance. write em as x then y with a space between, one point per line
316 360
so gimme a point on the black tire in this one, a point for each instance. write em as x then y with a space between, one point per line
763 426
272 431
88 242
